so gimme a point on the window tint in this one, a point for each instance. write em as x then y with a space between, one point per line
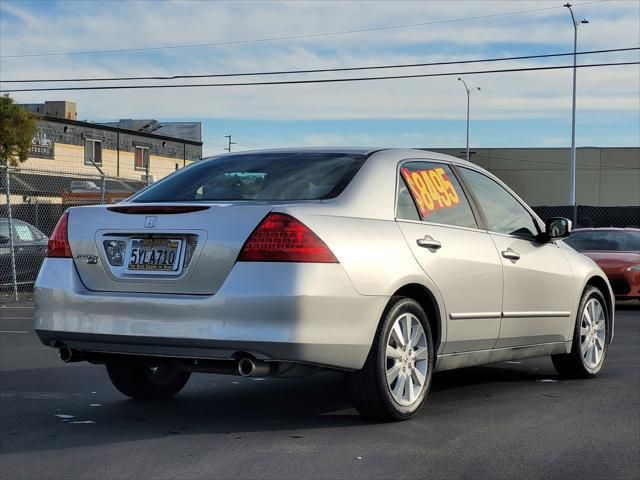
503 212
436 193
37 234
608 240
406 209
258 177
4 229
23 232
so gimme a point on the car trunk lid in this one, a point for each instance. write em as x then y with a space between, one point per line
160 248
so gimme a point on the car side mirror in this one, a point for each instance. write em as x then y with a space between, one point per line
557 227
4 240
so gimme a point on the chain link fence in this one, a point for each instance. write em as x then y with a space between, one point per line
33 200
597 217
31 203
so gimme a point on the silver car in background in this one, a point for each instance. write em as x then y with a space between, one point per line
388 265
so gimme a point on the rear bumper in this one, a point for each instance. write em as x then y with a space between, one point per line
307 313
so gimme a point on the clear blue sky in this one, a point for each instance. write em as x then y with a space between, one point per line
531 109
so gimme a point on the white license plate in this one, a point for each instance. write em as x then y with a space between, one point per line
154 254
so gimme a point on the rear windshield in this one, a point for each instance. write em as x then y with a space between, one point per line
258 177
609 240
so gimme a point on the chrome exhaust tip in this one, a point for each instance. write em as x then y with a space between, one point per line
248 367
65 354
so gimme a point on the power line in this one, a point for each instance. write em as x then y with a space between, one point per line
213 143
251 145
323 80
292 37
320 70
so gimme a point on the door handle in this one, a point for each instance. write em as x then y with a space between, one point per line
510 254
428 242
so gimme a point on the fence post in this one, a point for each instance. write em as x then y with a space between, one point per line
14 279
102 190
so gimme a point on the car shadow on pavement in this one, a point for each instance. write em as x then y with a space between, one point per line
228 406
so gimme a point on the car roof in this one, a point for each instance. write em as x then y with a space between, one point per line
14 220
417 152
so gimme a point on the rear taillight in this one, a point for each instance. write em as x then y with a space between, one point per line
282 238
59 241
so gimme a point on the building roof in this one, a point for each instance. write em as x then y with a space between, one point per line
102 126
184 130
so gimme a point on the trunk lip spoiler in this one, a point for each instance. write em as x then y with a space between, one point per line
157 209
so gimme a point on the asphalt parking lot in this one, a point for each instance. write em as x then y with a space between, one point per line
505 421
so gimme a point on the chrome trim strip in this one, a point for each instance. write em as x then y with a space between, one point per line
474 315
534 314
514 348
483 315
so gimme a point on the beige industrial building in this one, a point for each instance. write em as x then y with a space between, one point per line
63 144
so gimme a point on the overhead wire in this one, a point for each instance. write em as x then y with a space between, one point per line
317 81
319 70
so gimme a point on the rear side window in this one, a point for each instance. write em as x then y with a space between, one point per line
435 194
258 177
504 214
23 232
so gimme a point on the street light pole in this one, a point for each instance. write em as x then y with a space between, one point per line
468 90
228 149
572 167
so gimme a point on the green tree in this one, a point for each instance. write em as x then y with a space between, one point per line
17 128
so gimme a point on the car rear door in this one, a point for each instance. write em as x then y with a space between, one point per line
538 284
5 253
440 227
30 251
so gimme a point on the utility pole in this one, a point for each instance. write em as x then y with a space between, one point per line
228 149
468 90
572 168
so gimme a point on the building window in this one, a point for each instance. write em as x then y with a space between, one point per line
92 152
142 158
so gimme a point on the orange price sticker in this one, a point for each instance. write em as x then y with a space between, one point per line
431 189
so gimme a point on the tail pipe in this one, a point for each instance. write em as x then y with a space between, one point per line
67 355
249 367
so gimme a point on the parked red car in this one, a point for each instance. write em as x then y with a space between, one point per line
617 252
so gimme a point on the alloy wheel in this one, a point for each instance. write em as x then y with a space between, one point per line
407 359
592 333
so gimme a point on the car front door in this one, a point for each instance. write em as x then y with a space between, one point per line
538 285
439 225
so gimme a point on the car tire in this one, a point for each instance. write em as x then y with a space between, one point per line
147 383
410 368
590 338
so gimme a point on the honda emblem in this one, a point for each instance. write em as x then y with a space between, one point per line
150 221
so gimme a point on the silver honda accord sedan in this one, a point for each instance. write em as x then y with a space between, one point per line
386 264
